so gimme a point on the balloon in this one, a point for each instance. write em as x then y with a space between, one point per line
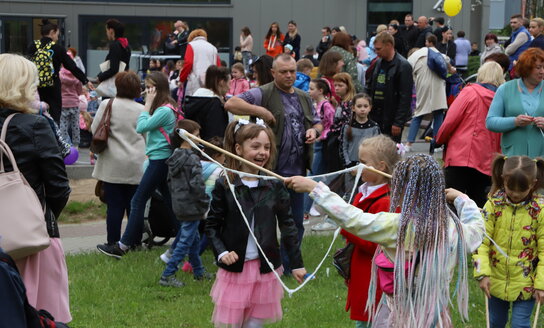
72 157
452 7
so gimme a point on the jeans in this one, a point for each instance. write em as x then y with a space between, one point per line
297 210
438 118
118 197
154 178
521 313
318 167
246 56
188 244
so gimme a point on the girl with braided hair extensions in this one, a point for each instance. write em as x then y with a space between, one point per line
426 241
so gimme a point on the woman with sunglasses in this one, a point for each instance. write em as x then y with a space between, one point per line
157 122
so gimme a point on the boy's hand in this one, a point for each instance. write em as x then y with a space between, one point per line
229 258
485 285
298 274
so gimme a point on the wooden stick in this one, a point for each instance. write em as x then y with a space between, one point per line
371 169
486 311
221 150
536 314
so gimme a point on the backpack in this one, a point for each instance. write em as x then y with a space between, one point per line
179 117
43 58
437 63
33 317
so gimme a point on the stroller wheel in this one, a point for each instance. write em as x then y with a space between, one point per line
158 241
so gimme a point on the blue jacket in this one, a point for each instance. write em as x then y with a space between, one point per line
302 82
523 47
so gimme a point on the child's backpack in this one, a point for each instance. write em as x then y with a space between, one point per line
43 58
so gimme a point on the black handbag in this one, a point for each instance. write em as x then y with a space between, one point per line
342 260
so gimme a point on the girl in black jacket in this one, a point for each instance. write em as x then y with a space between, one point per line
119 49
52 94
245 283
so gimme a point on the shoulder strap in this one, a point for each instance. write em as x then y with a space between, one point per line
5 127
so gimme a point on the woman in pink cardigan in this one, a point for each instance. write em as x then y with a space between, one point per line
470 147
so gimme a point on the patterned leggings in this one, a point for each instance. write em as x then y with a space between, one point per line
69 120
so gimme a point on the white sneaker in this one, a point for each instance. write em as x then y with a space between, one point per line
324 226
165 257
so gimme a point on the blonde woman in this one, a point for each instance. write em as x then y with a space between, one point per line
34 146
536 27
293 38
470 147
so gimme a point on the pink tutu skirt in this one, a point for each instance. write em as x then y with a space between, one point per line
46 280
248 294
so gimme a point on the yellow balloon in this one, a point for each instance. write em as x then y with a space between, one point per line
452 7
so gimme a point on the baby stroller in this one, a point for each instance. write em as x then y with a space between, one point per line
159 222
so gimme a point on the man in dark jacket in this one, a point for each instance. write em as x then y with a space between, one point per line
424 28
390 86
325 42
409 32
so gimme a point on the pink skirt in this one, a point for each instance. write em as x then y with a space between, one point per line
46 280
249 294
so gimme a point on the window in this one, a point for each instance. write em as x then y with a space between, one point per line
382 12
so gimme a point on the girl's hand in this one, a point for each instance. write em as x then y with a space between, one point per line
229 258
523 120
150 94
539 295
299 274
485 285
300 184
451 194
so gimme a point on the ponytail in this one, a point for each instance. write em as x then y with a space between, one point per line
496 174
539 173
325 87
349 132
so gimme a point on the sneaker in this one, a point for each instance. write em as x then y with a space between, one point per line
165 257
187 267
204 276
171 281
111 250
324 226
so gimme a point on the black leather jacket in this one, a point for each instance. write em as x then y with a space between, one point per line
38 157
398 93
267 204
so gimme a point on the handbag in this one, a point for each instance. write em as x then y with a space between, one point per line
107 87
100 136
99 191
22 220
342 260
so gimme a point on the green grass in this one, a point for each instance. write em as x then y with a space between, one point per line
108 293
77 212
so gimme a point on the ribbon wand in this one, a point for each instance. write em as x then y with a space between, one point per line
184 134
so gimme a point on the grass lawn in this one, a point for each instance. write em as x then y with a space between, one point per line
105 292
78 212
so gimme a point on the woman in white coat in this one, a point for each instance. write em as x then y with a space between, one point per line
119 166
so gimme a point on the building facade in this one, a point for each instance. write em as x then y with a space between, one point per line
149 22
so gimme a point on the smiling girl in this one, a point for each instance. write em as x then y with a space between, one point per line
246 292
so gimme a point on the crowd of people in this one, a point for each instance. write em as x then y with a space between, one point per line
332 107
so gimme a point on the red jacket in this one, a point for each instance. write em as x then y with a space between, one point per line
469 143
361 260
